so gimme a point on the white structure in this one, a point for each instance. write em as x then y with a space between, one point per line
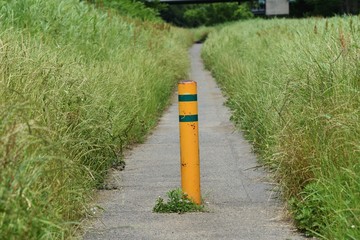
277 7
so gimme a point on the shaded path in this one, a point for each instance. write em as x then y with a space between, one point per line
241 203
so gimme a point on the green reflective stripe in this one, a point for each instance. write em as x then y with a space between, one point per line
188 118
188 98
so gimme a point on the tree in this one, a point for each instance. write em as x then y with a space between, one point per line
324 7
194 15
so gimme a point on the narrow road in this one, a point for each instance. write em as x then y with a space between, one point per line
239 197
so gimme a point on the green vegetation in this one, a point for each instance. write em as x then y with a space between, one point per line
294 88
200 34
131 8
178 202
77 85
195 15
301 8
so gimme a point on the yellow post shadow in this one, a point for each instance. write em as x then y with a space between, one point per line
189 140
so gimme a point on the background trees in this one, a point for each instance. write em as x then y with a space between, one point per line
194 15
301 8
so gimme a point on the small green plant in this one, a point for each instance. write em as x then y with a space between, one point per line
309 210
178 202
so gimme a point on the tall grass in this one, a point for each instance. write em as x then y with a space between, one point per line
76 86
294 88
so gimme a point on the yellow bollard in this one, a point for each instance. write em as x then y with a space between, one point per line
189 140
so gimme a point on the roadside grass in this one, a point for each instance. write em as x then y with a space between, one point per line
294 89
200 34
77 85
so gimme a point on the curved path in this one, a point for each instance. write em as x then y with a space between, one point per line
240 200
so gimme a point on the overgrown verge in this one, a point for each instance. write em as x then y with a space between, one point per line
76 86
294 88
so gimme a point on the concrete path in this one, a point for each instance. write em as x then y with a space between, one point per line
240 200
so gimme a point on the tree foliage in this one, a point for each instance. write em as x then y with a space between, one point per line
325 8
194 15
